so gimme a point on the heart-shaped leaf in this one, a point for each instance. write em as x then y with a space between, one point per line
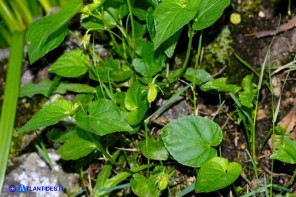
216 174
208 12
190 139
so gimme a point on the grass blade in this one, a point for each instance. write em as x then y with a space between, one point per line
10 99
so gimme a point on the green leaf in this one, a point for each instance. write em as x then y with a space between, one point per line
136 102
190 139
167 46
285 151
59 136
112 69
209 11
247 96
47 33
219 85
216 174
150 23
74 87
143 187
171 16
49 115
32 89
114 11
150 63
71 64
103 118
140 9
107 186
78 145
201 76
170 44
153 3
152 149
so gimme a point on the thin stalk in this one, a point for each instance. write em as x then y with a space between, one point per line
190 34
253 128
291 179
95 69
249 67
197 57
273 121
11 93
133 27
146 141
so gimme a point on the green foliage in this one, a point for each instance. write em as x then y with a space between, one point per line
219 85
49 115
44 87
72 64
247 95
215 174
150 62
285 150
155 150
171 16
118 108
103 117
135 101
113 70
143 187
197 76
79 143
208 12
190 139
47 33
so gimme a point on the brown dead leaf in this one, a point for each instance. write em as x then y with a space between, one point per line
289 122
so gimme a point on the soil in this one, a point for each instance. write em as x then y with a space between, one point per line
234 145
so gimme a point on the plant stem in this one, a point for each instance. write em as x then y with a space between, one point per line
190 34
197 57
10 99
133 28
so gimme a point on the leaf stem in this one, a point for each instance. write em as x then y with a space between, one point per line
132 26
190 34
197 57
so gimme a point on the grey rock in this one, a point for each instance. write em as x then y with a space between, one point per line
33 172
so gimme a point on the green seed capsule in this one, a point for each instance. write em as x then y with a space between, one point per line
163 181
152 93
